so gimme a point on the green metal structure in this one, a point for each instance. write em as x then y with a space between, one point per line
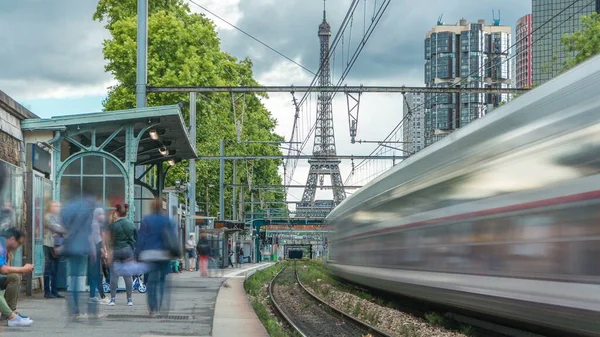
105 149
256 224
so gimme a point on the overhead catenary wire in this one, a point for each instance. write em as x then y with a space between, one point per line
411 109
340 33
251 36
377 15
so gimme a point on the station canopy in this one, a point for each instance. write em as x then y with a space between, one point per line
160 131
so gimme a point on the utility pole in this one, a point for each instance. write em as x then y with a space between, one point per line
192 164
207 203
142 54
141 75
242 212
255 236
234 196
222 181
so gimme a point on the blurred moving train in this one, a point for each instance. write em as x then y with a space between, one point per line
501 217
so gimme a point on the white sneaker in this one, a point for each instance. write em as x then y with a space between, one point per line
111 303
19 321
130 303
94 300
104 301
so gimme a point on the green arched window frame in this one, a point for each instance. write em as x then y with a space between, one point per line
101 173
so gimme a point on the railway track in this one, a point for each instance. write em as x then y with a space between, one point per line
310 316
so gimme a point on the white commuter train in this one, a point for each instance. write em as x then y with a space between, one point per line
501 217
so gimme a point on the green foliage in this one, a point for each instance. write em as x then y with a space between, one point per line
584 43
184 50
435 319
467 330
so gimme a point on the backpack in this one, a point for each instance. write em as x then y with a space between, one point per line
171 242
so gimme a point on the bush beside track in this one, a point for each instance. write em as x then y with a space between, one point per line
256 287
371 309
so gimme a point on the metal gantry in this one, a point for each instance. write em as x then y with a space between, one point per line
339 89
324 160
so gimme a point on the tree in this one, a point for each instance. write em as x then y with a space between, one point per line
184 50
584 43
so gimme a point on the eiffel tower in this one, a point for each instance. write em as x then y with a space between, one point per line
323 161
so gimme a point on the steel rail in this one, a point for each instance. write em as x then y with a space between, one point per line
345 315
278 308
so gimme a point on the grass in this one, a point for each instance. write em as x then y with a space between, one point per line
257 288
409 330
435 319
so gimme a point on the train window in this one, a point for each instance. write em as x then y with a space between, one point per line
461 232
537 258
436 235
395 239
530 249
413 237
484 230
535 226
583 221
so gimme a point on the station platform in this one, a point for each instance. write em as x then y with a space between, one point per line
199 307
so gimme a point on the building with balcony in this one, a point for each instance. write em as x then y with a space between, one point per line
414 125
472 55
551 20
524 57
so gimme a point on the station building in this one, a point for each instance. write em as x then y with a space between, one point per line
116 156
14 205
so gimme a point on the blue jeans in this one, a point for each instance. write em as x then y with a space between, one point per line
76 269
50 272
95 273
156 285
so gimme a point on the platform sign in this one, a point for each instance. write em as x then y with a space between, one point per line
201 222
219 224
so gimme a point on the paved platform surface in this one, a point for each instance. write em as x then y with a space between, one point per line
234 315
191 296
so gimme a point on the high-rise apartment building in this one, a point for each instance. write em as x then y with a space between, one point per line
524 57
414 126
548 52
467 55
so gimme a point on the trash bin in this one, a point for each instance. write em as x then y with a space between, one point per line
274 256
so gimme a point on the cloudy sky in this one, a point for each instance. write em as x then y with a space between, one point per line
51 57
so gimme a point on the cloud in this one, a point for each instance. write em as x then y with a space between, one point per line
51 46
392 56
53 49
226 9
45 89
394 50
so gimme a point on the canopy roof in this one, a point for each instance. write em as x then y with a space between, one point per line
167 121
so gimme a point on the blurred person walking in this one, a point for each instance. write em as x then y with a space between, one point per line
231 257
8 218
120 238
203 250
95 271
154 246
76 219
10 278
190 247
241 255
53 237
